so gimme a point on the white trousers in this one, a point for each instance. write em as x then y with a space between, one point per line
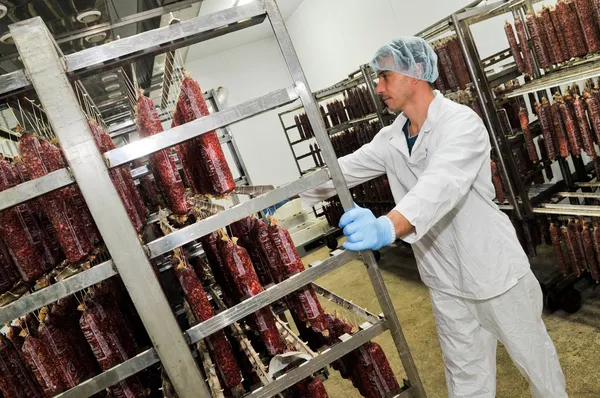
470 329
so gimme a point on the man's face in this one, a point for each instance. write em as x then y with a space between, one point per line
395 89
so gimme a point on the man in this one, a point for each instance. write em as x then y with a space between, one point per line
436 156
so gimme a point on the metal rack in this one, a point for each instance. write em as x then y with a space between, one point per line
50 73
526 201
363 75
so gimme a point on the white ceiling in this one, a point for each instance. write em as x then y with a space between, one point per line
246 36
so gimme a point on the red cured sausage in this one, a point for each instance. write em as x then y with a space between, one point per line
569 238
497 181
260 235
537 39
571 127
593 108
53 160
563 49
15 379
559 131
163 165
73 370
211 160
8 272
458 61
584 127
514 47
589 24
569 21
524 43
546 123
213 256
596 242
241 229
554 44
590 254
100 325
118 179
42 364
218 346
445 63
550 51
23 236
239 266
560 258
531 150
62 213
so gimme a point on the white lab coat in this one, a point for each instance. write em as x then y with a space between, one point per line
464 245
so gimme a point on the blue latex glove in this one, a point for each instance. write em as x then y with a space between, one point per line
272 209
365 231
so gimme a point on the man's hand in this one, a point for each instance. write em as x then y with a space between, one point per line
365 232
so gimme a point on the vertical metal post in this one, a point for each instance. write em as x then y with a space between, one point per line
366 71
314 114
486 100
47 73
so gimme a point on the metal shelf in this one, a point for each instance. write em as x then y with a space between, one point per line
268 296
253 206
578 72
344 126
347 344
177 135
112 376
34 188
45 68
52 293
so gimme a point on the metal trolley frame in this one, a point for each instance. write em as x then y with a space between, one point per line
50 72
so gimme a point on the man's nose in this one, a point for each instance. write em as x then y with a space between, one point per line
379 89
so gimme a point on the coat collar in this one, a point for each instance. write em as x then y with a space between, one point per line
397 138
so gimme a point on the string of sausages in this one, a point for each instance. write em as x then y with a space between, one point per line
569 29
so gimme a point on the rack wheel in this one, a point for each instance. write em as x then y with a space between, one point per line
570 300
332 242
552 300
377 255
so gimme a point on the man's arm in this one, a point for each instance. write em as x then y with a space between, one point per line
447 179
358 167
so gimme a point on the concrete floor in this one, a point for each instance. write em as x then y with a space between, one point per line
576 336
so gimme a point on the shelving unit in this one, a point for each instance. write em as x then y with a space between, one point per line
50 73
526 201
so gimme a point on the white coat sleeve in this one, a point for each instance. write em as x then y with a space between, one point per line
358 167
452 170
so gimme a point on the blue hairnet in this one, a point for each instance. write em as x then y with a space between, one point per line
408 55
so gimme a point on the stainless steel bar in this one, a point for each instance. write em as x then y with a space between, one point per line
126 20
34 188
159 38
112 376
187 131
14 81
253 206
559 206
491 117
588 184
590 69
314 115
52 293
589 195
347 305
140 172
47 73
350 343
268 296
568 212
